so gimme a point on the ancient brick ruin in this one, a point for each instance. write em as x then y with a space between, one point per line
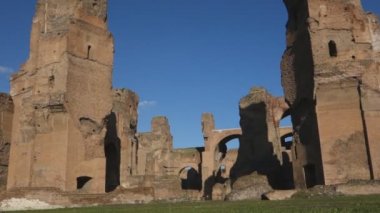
62 136
330 75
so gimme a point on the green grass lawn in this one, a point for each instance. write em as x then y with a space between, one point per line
327 204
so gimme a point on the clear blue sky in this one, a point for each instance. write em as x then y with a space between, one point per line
183 57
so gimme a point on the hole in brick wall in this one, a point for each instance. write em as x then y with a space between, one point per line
287 141
333 51
88 51
82 180
190 179
51 80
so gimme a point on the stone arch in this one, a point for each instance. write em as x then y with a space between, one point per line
190 178
221 146
224 158
210 163
286 114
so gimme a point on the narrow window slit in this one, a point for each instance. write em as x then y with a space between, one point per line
88 51
332 49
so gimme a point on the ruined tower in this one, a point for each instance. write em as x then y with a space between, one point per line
62 95
330 76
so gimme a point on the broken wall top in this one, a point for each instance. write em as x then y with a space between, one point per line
260 95
160 136
345 41
58 28
208 124
126 102
56 15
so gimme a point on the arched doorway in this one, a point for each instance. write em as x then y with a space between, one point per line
190 179
226 153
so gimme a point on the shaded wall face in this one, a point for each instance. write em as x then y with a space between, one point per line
297 68
256 151
6 117
245 163
260 143
112 150
125 103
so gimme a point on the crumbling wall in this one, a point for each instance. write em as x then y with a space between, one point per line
260 144
154 146
160 165
6 116
329 73
125 104
182 174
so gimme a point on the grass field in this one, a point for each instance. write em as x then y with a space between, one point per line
327 204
